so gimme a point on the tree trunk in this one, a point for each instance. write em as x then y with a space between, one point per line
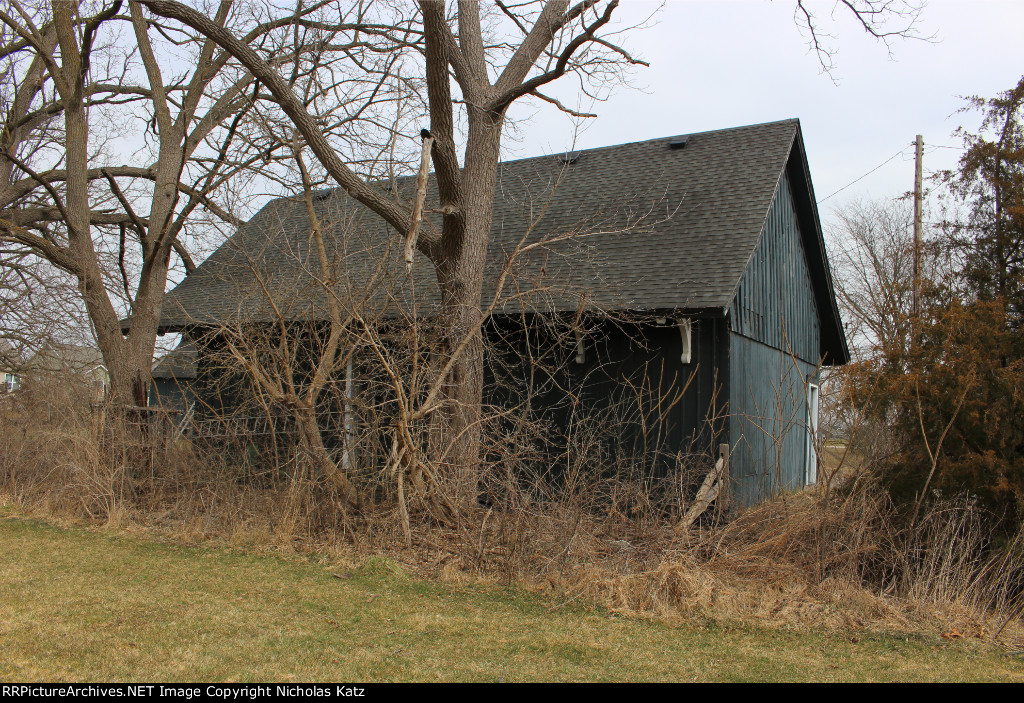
455 433
312 444
456 427
127 361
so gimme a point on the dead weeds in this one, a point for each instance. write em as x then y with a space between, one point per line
807 560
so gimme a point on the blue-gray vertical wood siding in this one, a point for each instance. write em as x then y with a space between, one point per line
632 379
171 394
775 301
768 419
774 351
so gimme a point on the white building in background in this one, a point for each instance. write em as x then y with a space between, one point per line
9 367
84 363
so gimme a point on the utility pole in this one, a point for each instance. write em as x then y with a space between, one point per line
916 293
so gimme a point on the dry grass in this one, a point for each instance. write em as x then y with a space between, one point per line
805 561
768 568
93 604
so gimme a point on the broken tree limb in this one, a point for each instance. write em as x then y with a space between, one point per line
421 195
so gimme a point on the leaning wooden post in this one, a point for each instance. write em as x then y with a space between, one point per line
715 488
724 492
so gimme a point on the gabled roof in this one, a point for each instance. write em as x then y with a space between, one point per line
56 357
9 358
662 224
177 364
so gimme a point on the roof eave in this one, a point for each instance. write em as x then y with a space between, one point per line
834 347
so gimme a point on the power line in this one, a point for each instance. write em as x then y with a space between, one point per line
898 153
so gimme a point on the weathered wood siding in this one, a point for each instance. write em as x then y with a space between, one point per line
775 301
768 419
647 409
774 351
171 394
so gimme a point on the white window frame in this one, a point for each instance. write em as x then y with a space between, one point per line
813 401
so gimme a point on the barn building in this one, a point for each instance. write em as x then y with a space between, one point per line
691 270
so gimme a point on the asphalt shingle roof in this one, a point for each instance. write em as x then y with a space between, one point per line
634 226
66 357
179 363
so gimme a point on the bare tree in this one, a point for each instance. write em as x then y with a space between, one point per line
872 254
557 40
77 89
883 20
473 71
39 304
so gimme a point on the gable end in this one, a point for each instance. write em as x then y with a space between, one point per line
775 302
785 298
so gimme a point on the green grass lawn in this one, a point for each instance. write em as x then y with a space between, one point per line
86 605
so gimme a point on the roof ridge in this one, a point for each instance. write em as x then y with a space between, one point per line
592 150
795 120
689 220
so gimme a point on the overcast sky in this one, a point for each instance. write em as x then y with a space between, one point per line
725 63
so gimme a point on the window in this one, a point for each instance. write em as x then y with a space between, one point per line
11 382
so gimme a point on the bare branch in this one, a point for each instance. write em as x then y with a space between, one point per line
369 195
560 106
561 66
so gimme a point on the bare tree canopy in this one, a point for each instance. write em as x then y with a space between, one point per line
123 135
884 20
261 83
475 63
